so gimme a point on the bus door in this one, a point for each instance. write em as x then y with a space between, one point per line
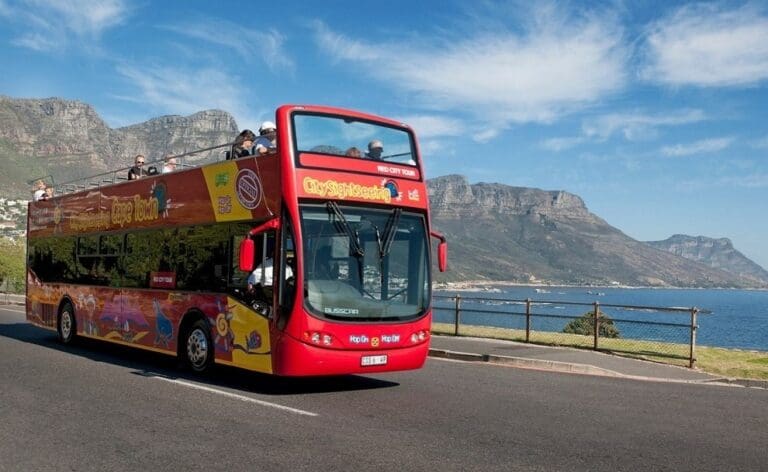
268 255
258 259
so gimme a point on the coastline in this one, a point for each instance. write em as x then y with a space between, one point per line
493 286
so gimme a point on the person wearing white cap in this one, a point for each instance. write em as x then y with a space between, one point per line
375 148
267 141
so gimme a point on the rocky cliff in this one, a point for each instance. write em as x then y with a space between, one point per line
498 232
67 139
718 253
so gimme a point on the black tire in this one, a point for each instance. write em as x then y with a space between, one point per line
197 350
66 326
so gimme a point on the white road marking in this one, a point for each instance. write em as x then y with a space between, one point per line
238 397
5 308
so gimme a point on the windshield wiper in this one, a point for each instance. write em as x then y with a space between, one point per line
341 223
389 233
355 247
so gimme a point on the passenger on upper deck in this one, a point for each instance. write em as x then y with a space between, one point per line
48 193
353 152
39 191
170 164
267 141
243 144
375 148
137 171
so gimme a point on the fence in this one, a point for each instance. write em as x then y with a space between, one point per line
11 285
184 160
11 291
666 334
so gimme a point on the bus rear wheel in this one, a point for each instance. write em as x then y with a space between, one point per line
66 326
198 348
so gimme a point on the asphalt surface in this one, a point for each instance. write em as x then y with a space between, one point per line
97 406
557 359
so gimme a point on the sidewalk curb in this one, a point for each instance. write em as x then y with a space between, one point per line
555 366
736 382
584 369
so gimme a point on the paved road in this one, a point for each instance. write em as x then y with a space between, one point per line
101 407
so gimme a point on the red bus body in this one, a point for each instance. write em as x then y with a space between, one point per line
154 306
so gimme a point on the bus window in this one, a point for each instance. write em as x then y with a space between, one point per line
287 288
52 259
365 264
323 134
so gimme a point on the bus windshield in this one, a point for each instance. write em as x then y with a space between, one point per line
323 134
365 264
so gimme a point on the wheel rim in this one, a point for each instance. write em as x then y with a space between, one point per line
66 324
197 348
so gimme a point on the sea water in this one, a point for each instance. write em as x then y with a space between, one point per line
736 318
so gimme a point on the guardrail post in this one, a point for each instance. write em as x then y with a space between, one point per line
694 312
457 318
527 320
596 316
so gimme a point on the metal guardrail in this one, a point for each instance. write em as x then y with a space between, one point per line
12 291
118 175
640 331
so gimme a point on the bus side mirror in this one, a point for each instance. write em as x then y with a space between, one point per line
247 252
442 251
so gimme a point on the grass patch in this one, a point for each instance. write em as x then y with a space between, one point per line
714 360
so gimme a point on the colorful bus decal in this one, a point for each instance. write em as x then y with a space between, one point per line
367 189
227 191
150 320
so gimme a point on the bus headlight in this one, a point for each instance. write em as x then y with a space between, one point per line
318 338
419 336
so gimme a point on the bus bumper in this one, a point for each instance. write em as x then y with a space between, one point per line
296 358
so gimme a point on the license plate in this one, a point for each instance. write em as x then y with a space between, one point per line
373 360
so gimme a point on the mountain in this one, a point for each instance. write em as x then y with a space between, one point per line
498 232
718 253
68 140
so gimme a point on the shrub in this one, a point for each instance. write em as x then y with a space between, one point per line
585 325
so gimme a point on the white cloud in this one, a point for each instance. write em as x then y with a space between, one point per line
5 10
698 147
555 66
37 42
634 126
750 181
50 24
707 45
561 144
173 90
247 42
747 181
430 126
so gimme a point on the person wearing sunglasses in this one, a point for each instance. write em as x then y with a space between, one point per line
137 171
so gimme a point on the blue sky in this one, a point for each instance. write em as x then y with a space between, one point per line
653 112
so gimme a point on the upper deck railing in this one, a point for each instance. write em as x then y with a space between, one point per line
121 174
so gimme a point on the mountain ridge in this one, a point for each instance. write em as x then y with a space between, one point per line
67 140
496 232
525 235
715 252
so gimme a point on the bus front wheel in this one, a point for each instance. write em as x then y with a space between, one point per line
198 348
66 326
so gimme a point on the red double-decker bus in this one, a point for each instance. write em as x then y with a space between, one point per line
312 259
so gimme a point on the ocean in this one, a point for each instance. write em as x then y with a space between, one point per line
738 318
